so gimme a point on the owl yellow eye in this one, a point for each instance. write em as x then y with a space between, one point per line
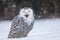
24 11
29 10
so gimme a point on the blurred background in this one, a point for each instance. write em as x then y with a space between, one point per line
42 8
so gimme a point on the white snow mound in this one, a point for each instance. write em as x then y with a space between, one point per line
47 29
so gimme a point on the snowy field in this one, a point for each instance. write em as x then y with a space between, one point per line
47 29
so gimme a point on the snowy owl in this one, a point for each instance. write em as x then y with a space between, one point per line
22 24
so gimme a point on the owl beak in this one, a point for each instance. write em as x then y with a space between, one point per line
26 15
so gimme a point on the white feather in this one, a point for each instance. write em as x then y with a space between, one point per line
30 17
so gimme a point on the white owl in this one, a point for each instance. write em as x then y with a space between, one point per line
22 24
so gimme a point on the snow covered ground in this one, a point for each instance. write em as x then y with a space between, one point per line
47 29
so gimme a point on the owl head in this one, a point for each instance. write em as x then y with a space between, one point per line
26 12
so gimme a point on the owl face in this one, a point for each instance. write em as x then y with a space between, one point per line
26 12
27 15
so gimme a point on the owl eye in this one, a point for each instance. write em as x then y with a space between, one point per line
29 10
24 11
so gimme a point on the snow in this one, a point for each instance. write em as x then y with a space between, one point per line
44 29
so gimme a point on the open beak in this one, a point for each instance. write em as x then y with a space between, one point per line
26 15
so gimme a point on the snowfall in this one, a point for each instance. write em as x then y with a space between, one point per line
44 29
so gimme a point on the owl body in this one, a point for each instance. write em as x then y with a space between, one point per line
21 26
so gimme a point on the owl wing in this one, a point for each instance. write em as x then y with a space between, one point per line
14 22
14 28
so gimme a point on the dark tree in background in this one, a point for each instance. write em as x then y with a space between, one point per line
42 8
1 9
